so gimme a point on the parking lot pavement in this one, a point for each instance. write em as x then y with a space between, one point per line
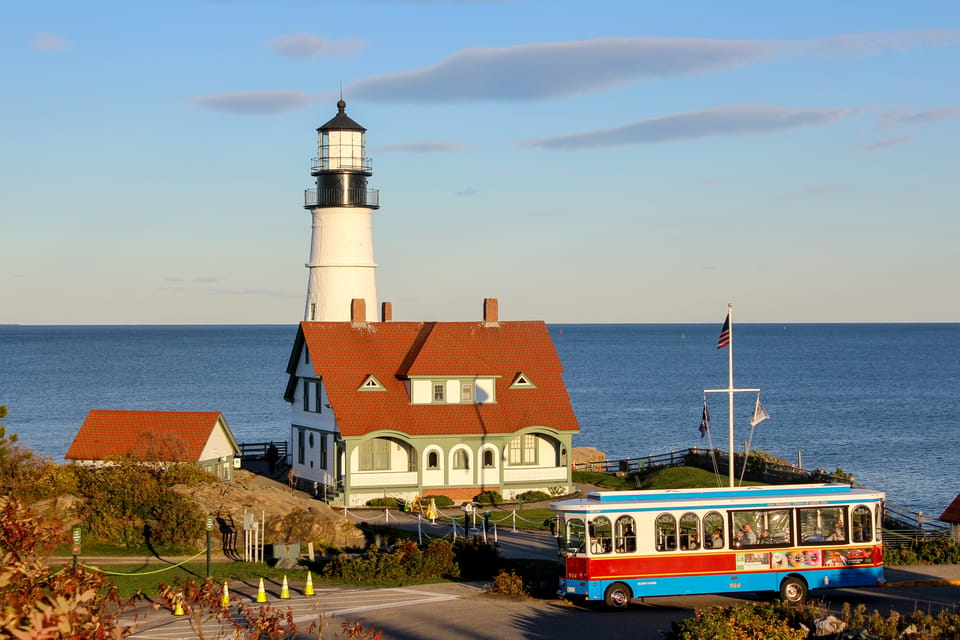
334 603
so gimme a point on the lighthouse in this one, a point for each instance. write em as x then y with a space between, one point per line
341 267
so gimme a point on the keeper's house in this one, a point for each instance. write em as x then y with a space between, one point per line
400 409
161 437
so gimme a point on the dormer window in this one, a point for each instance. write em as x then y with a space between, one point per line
371 384
438 392
466 392
522 381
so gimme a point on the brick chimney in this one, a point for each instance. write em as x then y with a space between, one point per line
386 312
358 311
490 312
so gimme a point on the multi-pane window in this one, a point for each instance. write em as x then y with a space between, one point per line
523 449
466 392
438 391
461 460
374 455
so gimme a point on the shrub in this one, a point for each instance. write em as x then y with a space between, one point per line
509 584
128 505
489 497
931 551
762 620
39 603
391 503
407 561
183 473
477 559
440 500
533 496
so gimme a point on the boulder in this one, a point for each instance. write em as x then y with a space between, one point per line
288 515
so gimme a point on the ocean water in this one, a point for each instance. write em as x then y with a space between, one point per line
877 400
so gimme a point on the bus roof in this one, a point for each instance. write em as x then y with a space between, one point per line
834 491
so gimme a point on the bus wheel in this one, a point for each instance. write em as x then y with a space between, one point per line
793 590
617 596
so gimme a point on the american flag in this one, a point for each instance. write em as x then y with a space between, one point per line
724 340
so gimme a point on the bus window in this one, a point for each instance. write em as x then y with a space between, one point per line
689 531
862 524
666 534
820 524
574 535
626 538
760 528
713 531
601 538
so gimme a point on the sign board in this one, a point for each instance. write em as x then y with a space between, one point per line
249 522
76 549
76 535
209 523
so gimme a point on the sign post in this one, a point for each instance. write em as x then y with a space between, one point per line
76 545
209 529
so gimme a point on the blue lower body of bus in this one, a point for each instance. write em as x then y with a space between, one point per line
823 578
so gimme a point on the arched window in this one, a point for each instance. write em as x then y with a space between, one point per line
862 524
689 531
433 460
666 533
625 540
713 530
460 459
488 458
601 537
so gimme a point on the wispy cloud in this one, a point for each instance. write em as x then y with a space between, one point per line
909 117
421 147
49 43
258 103
883 144
559 69
466 193
549 70
304 45
816 192
735 120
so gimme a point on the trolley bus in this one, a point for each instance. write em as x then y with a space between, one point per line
616 546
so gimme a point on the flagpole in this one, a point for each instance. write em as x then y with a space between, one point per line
730 388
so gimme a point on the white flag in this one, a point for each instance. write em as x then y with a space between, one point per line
759 413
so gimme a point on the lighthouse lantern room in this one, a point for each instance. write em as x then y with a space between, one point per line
341 266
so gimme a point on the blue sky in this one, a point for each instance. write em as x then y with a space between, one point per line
582 161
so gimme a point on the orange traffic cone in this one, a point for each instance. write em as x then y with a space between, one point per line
308 590
285 589
261 592
225 599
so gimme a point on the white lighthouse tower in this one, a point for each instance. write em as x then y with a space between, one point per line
341 265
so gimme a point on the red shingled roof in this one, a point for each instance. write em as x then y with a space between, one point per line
343 355
149 435
952 514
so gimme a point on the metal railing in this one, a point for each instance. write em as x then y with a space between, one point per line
341 198
344 163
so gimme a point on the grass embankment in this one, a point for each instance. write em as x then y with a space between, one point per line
145 577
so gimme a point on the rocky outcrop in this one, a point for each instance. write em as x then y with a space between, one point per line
289 516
